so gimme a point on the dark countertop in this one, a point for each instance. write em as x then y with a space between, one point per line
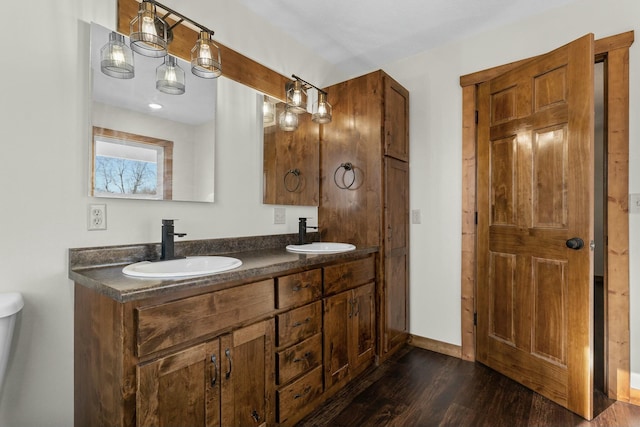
258 264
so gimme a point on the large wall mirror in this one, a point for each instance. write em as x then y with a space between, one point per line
291 162
148 144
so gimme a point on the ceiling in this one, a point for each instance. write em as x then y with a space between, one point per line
360 34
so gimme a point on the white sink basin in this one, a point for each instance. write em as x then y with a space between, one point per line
321 248
184 267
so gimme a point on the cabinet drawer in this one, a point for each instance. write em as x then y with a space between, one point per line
298 324
298 359
300 288
340 277
165 325
294 396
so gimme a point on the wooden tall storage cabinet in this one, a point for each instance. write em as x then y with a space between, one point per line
364 188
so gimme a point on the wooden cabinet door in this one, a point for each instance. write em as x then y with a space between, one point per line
362 345
181 389
247 375
337 311
395 292
396 120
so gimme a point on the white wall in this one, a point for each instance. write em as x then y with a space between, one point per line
432 79
44 116
44 119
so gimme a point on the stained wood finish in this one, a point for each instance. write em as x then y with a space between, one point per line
287 151
165 325
246 370
234 65
296 395
396 120
340 277
423 388
181 389
349 334
614 51
300 288
298 324
298 359
535 157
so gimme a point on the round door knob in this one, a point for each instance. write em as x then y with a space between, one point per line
575 243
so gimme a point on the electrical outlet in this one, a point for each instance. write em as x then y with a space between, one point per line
416 216
97 217
279 216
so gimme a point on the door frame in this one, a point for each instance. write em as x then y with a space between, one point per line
614 51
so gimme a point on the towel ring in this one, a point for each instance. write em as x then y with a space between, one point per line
347 167
296 173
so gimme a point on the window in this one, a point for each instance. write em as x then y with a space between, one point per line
131 166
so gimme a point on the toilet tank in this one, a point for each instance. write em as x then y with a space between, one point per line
10 304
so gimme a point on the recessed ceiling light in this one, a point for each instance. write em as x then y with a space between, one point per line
155 106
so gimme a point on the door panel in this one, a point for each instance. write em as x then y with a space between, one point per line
535 191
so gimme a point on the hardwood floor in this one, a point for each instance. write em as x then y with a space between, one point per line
423 388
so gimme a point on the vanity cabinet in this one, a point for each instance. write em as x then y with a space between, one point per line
368 204
349 320
216 383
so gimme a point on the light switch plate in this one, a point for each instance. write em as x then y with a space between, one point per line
279 216
634 203
416 216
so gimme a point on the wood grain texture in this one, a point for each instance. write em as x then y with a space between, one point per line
615 50
298 324
297 289
424 388
340 277
435 346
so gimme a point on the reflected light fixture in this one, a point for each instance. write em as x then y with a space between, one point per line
116 59
149 34
322 110
205 57
268 111
170 77
288 120
297 97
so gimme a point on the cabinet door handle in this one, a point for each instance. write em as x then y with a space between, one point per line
227 353
298 324
356 307
351 303
255 416
214 375
296 288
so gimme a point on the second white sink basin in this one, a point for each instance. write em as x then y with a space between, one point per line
184 267
321 248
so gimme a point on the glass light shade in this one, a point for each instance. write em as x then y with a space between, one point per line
205 57
288 120
116 59
322 110
170 77
268 111
149 34
297 97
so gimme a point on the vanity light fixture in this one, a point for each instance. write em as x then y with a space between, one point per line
288 120
149 34
116 59
170 77
296 96
321 110
205 57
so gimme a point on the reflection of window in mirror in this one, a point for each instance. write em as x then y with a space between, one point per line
128 165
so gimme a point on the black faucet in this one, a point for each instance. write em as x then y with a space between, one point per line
302 231
167 240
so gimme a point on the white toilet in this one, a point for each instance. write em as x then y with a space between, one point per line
10 304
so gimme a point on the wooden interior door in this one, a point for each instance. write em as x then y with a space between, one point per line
535 194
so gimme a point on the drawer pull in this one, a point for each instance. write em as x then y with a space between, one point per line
298 324
303 358
307 389
214 375
255 416
227 353
297 288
